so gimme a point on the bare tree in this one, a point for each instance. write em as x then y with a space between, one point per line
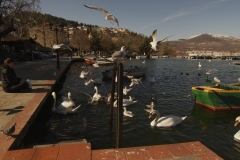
80 40
14 14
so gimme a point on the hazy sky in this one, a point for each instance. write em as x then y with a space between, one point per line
183 18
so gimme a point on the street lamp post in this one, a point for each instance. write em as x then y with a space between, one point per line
56 29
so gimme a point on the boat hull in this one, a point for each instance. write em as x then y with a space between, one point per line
217 98
99 62
89 62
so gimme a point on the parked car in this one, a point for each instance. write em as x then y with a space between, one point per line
37 55
51 54
54 54
45 55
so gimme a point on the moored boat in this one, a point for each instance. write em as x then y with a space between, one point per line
143 57
154 56
218 96
98 62
89 61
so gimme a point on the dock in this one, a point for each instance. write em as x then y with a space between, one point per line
23 108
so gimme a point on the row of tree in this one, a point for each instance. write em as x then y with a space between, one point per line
21 16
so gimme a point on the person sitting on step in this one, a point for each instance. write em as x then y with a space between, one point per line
10 82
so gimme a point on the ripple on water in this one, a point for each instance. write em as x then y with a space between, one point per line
213 129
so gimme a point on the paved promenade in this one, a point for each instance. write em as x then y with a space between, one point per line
23 108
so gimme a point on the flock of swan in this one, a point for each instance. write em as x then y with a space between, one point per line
68 106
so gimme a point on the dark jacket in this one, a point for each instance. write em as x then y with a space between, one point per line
9 77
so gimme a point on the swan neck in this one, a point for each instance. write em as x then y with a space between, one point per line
54 103
158 115
96 90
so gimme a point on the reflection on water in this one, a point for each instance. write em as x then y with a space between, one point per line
175 77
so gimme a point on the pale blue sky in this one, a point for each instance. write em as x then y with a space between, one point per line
183 18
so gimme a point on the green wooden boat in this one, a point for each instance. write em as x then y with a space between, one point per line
218 96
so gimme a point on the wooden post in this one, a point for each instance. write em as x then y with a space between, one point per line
119 106
112 93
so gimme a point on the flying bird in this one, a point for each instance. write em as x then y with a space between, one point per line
109 16
9 131
155 43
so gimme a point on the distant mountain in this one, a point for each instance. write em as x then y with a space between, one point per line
218 36
207 42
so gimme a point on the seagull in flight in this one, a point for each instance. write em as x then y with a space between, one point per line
109 16
155 43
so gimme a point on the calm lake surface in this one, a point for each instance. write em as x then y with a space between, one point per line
214 129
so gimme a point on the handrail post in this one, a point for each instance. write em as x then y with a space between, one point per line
119 106
112 93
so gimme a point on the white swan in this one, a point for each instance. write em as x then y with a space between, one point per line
127 113
96 97
126 90
143 61
60 109
126 102
237 135
83 74
199 64
237 121
68 102
165 121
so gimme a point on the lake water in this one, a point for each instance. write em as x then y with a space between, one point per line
214 129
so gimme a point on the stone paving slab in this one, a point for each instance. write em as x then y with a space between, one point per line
23 108
180 151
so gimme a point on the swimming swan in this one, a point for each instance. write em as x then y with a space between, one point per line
95 98
60 109
199 64
68 102
165 121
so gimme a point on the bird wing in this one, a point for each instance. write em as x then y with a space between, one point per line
164 39
118 54
97 8
115 19
154 36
